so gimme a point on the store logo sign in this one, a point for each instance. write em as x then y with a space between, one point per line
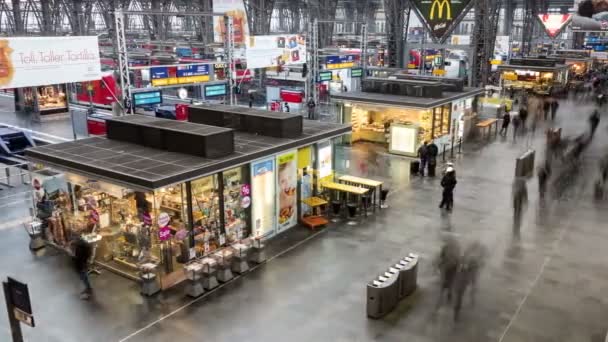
437 8
554 23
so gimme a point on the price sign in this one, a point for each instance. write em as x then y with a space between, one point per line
245 190
163 219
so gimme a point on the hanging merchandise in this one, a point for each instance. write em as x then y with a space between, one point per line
441 16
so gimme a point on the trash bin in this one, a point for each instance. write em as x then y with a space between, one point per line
524 164
194 273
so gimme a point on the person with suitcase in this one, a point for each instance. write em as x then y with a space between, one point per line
433 152
423 154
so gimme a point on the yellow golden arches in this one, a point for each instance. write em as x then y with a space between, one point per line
438 6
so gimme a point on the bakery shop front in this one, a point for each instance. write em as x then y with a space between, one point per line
158 193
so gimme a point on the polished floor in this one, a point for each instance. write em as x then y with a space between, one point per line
546 282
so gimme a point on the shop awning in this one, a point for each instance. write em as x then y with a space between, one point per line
148 168
407 101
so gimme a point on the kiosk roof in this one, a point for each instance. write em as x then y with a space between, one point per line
407 101
147 168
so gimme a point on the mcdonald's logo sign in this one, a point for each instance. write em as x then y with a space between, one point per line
438 7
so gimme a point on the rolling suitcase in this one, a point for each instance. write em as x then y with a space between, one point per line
414 167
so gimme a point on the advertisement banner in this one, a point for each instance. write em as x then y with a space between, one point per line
554 23
441 16
263 197
236 10
501 47
287 182
275 50
38 61
590 15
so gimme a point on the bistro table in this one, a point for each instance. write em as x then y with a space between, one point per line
374 186
348 189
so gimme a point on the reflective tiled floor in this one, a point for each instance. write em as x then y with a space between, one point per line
545 283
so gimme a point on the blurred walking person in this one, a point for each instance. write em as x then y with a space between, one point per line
82 254
447 263
520 200
516 123
423 154
433 152
467 276
554 108
543 177
594 121
506 120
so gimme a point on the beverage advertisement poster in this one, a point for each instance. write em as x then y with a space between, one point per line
236 10
287 182
263 197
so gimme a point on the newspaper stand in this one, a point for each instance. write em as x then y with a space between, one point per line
194 275
239 260
257 254
224 261
209 273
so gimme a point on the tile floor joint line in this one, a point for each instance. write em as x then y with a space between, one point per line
219 287
548 258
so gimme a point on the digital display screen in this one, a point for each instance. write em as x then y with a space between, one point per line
216 90
325 76
147 98
356 72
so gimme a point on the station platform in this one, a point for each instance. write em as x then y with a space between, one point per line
545 283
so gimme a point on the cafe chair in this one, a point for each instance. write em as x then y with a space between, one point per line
336 207
352 213
383 196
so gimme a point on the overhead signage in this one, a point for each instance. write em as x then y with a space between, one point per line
554 23
356 72
325 76
340 62
275 50
39 61
148 98
441 16
175 75
216 90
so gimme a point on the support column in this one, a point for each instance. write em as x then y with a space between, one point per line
394 12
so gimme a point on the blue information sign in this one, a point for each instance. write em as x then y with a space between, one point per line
339 59
216 90
193 70
159 72
147 98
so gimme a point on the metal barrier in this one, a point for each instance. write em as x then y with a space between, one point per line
524 164
398 282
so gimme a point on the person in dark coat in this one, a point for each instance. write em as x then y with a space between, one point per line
423 154
506 120
471 263
433 152
543 177
286 107
311 109
82 254
516 123
448 182
251 100
594 121
554 107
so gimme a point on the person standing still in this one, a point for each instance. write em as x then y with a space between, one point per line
82 254
423 154
250 100
286 107
433 152
311 109
448 182
506 120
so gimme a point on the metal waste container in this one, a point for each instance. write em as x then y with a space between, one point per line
524 164
382 294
